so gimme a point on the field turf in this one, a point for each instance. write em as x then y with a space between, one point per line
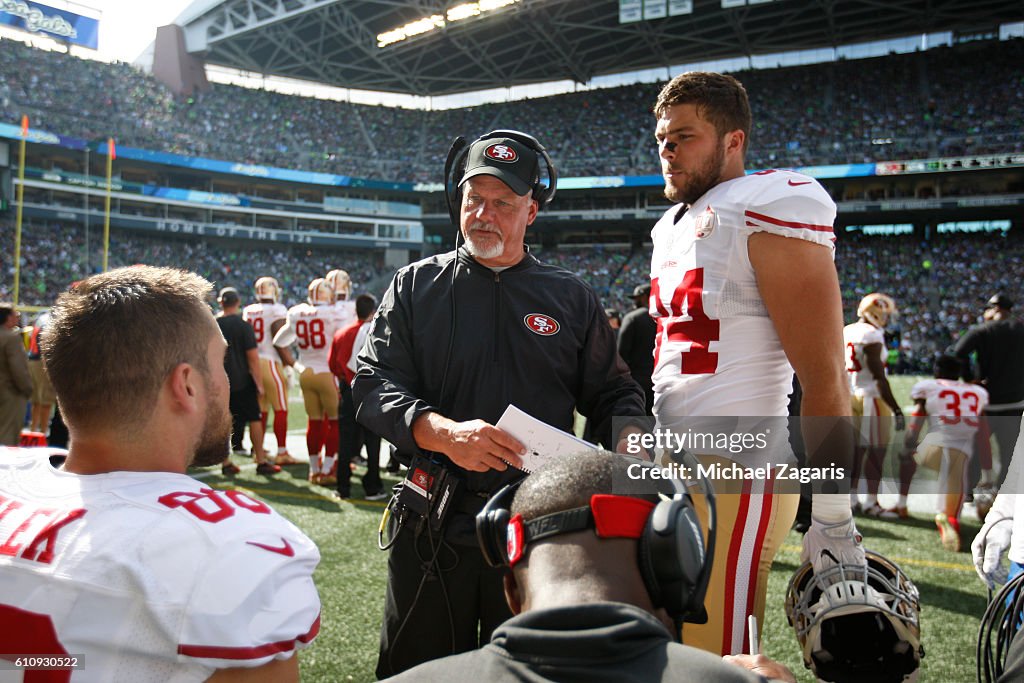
352 573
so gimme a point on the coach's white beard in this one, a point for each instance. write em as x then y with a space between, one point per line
492 248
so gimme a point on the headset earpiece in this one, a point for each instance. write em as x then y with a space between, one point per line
455 168
492 526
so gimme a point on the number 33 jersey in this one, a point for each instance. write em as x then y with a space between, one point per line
150 576
717 352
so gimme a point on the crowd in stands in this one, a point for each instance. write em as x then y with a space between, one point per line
54 255
948 101
940 285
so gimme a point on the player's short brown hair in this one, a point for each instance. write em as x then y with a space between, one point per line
720 99
113 339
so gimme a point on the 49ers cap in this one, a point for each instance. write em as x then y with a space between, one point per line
512 162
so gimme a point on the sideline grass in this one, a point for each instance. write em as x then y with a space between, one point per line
352 574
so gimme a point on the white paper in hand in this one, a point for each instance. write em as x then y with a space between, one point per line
543 442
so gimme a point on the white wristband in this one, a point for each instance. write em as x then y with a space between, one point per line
831 508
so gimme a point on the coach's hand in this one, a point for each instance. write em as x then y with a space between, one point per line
475 445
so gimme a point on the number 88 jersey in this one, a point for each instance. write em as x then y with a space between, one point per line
717 351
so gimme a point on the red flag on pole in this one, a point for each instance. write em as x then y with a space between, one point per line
111 149
24 125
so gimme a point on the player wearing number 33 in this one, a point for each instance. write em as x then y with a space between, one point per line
311 327
744 290
120 558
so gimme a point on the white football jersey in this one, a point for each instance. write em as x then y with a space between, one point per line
856 337
312 329
346 309
151 576
262 317
717 351
953 409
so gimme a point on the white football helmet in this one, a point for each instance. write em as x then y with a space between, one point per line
267 289
320 292
341 282
877 309
857 623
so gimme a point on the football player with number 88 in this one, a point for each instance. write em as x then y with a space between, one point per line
744 290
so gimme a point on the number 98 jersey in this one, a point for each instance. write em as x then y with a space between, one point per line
312 329
717 352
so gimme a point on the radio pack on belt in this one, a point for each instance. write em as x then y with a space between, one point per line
429 490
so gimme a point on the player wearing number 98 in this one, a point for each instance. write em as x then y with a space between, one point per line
311 327
119 557
744 290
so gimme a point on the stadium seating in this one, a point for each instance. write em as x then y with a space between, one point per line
962 100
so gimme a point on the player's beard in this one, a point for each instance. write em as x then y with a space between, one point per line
480 246
214 441
699 181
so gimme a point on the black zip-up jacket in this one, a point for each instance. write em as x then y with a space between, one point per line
532 335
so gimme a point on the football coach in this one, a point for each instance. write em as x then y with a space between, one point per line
458 337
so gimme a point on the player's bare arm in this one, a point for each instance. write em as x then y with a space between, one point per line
252 357
476 445
805 306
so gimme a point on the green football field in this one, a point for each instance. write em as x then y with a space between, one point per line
352 572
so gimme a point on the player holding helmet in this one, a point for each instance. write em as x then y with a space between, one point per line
744 290
267 316
855 622
871 397
311 326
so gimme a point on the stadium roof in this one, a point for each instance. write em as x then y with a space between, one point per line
335 41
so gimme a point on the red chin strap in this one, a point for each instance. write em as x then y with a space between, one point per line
610 516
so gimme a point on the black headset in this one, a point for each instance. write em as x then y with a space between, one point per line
455 169
673 560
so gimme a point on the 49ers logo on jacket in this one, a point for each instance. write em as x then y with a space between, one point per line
541 324
500 152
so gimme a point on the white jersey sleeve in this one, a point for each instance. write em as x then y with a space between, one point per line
285 337
856 338
790 204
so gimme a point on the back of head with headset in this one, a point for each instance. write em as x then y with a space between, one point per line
574 494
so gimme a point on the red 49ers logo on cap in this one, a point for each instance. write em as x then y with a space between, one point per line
501 152
541 324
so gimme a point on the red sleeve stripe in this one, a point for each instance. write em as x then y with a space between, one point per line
786 224
217 652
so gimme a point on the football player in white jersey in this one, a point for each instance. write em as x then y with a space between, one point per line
311 327
955 413
872 403
267 317
119 557
744 290
340 281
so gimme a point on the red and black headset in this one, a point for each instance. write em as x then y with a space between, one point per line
455 168
674 561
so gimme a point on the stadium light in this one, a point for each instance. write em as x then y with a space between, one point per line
461 12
